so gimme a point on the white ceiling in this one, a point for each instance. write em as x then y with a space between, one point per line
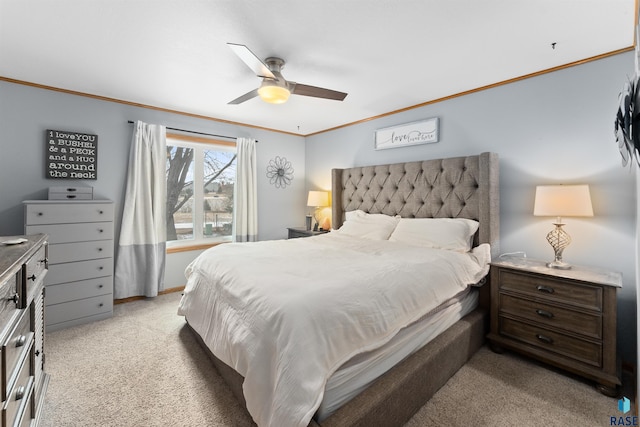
386 54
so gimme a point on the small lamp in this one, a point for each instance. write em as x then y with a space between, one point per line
317 199
559 201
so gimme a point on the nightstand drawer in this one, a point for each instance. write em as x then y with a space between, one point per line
585 296
564 345
569 320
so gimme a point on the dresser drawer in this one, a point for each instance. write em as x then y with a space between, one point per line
64 292
8 305
573 321
564 345
77 309
38 346
15 350
82 270
35 270
67 213
17 405
585 296
69 252
67 233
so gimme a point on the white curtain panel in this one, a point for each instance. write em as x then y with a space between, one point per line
245 211
141 254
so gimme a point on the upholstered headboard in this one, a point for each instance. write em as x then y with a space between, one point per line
457 187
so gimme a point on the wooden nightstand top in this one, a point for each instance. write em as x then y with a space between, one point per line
303 232
577 272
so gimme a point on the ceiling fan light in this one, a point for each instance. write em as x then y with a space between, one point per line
274 94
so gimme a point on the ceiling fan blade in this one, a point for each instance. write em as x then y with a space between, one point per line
252 61
247 96
316 92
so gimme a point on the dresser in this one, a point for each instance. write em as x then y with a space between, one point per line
23 266
566 318
79 286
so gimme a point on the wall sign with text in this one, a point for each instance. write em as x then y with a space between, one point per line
422 132
71 155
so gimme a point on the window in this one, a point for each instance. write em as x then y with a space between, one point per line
201 175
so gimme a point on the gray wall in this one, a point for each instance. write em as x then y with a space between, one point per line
26 112
553 128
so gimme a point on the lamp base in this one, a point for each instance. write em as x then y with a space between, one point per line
558 239
560 265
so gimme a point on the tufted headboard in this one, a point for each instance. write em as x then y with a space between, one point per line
457 187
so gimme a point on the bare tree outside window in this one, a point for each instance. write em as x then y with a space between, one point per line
213 193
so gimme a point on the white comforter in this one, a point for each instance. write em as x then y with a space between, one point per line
286 314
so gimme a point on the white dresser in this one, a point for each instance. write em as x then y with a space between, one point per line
79 285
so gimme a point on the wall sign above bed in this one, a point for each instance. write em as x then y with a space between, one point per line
71 155
414 133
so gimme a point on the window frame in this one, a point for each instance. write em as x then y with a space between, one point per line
199 144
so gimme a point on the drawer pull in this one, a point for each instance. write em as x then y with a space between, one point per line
37 353
40 214
71 189
101 304
32 277
15 298
545 289
544 339
100 212
544 313
100 230
21 341
20 393
99 249
100 286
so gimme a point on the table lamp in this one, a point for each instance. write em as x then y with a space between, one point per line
561 201
317 199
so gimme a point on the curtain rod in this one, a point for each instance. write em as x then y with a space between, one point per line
192 131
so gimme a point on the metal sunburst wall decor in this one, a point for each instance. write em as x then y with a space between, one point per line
280 172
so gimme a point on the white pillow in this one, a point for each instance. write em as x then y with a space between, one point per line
455 234
354 214
369 226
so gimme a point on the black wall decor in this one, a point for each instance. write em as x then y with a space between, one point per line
71 155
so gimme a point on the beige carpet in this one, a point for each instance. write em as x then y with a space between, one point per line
144 368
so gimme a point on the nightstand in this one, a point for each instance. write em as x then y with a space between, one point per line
295 232
566 318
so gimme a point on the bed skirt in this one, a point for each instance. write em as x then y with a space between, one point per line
397 395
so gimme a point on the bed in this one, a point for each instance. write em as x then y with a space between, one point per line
287 358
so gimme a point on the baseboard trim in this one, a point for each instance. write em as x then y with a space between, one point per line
138 298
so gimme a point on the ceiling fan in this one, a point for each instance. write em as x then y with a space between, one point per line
274 88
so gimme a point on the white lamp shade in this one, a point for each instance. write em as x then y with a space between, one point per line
273 94
562 200
318 198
